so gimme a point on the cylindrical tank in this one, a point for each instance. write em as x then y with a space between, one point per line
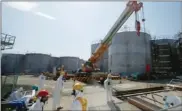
129 53
55 62
70 63
36 63
102 63
81 61
105 65
11 63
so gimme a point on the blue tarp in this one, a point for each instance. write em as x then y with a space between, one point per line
18 104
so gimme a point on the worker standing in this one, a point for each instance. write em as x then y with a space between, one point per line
108 87
79 102
41 81
57 92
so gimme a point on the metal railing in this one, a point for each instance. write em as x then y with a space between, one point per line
176 81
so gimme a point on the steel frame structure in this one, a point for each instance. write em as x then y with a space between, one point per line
7 41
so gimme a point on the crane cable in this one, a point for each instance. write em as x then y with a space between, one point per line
143 20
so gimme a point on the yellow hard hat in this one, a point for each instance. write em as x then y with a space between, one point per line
62 72
78 86
109 75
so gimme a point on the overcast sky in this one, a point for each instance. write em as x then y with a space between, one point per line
69 28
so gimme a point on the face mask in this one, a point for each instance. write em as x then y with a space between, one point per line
73 93
44 100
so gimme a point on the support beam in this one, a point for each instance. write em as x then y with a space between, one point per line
143 105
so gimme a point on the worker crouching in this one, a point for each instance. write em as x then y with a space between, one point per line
41 99
79 102
16 94
108 87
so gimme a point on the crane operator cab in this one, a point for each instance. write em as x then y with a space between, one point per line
89 67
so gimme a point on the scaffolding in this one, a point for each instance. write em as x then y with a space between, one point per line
7 41
8 82
162 60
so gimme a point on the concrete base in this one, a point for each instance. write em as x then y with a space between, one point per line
96 97
95 94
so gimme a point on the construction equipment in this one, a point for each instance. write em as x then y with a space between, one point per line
89 66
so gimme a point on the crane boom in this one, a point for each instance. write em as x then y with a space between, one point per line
132 6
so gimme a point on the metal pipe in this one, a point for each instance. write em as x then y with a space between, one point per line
139 105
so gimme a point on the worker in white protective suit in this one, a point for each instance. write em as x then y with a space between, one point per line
42 97
108 87
57 92
79 102
171 101
41 81
16 94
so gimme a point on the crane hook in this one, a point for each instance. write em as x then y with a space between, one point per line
137 24
138 27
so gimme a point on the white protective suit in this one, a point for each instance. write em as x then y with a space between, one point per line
57 92
108 88
37 106
41 81
76 105
171 101
16 94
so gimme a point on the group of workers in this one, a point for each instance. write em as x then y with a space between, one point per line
79 101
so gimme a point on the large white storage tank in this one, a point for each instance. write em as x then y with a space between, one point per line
12 63
129 53
36 63
70 63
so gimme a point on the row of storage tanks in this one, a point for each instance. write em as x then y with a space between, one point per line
36 63
128 53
